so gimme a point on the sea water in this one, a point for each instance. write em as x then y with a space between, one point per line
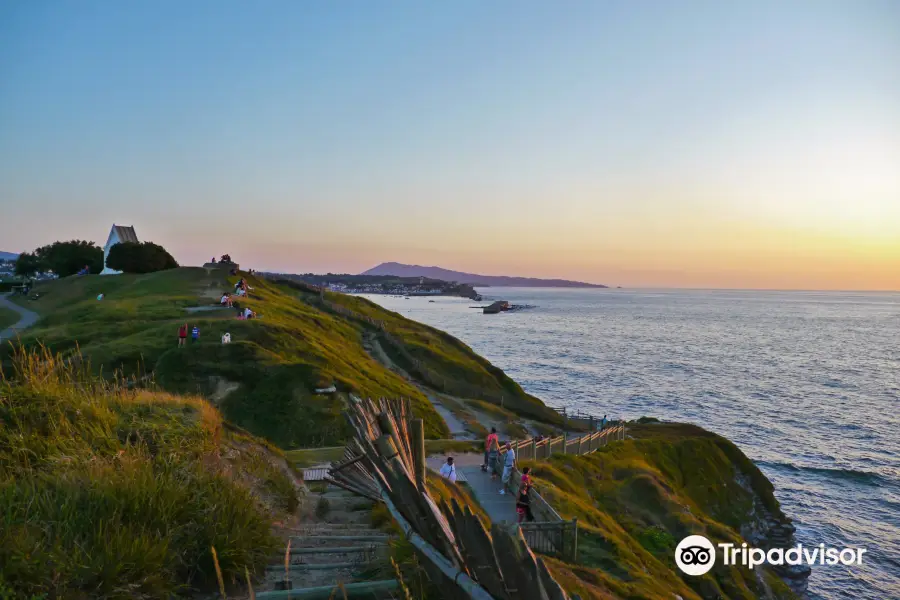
806 383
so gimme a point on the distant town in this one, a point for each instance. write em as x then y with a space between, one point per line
384 284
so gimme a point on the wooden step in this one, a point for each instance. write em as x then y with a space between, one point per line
316 566
362 589
371 539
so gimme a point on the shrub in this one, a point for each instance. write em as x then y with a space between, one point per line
139 257
323 507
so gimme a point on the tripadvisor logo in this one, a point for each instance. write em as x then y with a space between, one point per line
696 555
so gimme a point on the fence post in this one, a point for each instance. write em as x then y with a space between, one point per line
533 449
418 449
574 539
565 442
580 445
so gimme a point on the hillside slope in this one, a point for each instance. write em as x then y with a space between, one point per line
635 501
402 270
108 491
266 379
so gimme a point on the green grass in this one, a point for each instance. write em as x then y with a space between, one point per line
308 457
636 499
108 491
8 317
276 362
450 364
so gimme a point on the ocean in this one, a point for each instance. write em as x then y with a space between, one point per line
807 384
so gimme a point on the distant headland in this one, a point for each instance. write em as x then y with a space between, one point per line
401 270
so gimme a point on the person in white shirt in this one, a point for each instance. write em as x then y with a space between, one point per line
509 463
448 471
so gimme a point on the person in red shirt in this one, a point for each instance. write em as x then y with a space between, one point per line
182 335
491 451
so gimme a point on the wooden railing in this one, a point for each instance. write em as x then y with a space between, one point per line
584 444
559 538
549 533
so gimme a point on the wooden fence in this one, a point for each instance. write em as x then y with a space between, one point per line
386 460
583 444
549 533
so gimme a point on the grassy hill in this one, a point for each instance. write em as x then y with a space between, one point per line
635 501
265 380
111 492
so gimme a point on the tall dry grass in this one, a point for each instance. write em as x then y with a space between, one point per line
111 491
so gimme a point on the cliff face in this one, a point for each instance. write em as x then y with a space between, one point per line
636 500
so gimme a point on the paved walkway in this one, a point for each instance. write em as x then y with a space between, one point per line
499 507
27 318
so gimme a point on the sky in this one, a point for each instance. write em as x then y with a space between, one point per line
690 144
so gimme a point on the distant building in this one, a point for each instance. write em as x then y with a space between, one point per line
118 233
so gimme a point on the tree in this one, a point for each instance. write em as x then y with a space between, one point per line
63 258
28 264
136 257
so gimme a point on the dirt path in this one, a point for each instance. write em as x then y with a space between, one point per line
27 318
457 427
449 407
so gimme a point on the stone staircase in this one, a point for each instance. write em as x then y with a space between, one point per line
337 547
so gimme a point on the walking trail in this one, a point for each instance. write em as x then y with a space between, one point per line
27 318
499 507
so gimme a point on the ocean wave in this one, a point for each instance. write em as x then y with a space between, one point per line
846 474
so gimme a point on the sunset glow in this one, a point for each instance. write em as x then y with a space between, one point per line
649 144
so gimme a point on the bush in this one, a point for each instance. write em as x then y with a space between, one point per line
139 257
323 507
63 258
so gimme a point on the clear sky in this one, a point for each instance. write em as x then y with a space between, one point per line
711 144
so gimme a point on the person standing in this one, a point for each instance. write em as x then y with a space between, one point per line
182 335
603 423
523 503
491 451
195 335
448 470
509 463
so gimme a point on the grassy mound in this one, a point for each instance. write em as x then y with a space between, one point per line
637 499
111 492
271 369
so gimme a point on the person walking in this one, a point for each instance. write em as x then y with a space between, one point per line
195 335
523 503
603 423
509 464
182 335
448 470
491 451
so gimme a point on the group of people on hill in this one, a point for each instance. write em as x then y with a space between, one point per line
241 287
491 457
183 331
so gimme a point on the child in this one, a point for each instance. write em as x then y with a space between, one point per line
195 334
182 335
523 503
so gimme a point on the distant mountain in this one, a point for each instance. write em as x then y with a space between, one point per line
401 270
8 256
